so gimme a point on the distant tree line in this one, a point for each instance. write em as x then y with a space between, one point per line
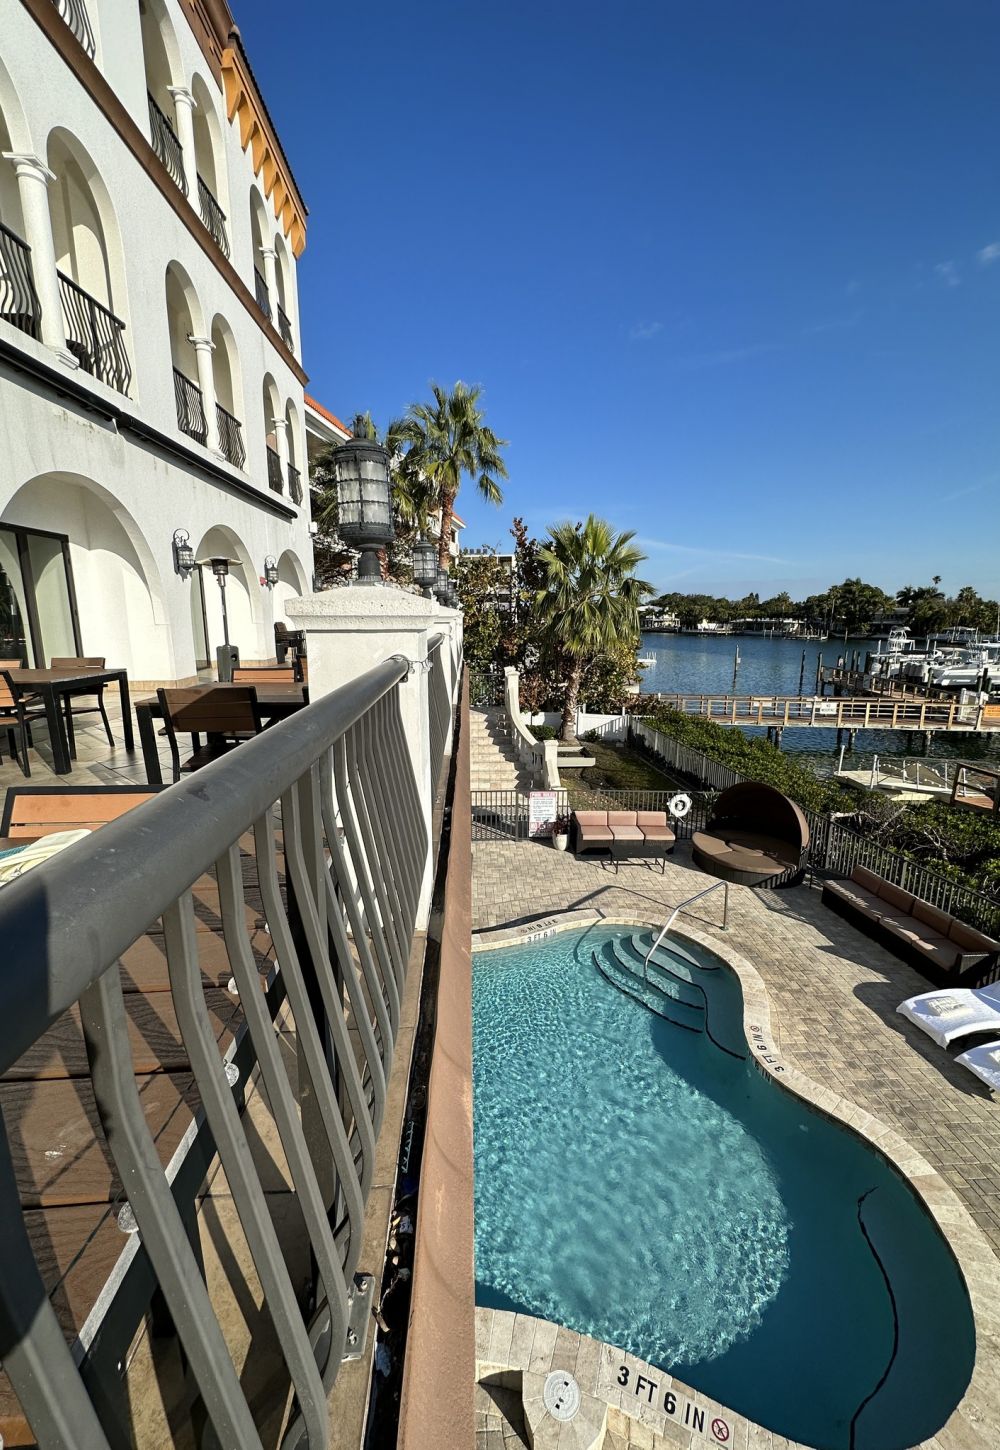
852 605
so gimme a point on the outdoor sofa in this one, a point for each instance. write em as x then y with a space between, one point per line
940 946
755 836
624 834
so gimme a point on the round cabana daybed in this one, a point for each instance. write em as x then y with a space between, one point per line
755 836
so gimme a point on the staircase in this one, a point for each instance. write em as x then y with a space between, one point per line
495 763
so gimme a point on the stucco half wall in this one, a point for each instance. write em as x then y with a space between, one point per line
440 1371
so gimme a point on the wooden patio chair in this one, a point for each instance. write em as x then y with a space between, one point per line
18 710
265 675
83 662
227 715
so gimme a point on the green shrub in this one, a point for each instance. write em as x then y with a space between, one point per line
543 732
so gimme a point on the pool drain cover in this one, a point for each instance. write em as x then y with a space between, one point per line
561 1395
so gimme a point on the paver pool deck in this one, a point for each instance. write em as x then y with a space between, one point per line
833 995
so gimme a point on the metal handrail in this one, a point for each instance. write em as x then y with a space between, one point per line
166 143
261 292
74 12
64 946
213 216
273 469
94 335
687 902
19 304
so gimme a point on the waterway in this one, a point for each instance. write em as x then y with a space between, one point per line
703 664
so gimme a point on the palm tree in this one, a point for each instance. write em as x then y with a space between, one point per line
590 599
449 439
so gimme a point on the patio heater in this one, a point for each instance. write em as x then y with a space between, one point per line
425 568
361 473
220 568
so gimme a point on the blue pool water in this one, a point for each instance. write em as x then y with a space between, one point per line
641 1183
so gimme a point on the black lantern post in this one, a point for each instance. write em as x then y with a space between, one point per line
184 560
270 571
441 587
361 473
425 568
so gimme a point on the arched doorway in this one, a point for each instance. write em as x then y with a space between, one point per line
184 320
213 616
291 585
91 588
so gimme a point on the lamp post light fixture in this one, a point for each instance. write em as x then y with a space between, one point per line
184 560
425 568
361 473
220 568
270 571
441 587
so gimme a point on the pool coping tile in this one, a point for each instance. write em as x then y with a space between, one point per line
975 1422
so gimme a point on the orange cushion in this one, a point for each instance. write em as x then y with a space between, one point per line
651 818
621 818
591 818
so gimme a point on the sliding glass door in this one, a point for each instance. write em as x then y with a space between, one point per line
37 603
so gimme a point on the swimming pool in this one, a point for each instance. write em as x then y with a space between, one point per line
639 1180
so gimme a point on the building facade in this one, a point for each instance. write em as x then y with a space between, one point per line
150 365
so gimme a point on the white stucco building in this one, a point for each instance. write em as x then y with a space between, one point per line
150 373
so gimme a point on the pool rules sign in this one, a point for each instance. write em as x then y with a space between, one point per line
541 813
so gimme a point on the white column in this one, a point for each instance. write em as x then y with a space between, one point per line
184 106
33 177
350 630
269 257
203 349
280 426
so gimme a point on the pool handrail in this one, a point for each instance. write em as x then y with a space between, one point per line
678 909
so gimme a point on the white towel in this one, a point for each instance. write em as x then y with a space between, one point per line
13 866
944 1006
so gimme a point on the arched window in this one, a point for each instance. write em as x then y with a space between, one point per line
273 418
184 322
210 164
89 259
19 304
258 231
162 66
228 392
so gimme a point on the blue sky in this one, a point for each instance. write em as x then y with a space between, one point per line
729 273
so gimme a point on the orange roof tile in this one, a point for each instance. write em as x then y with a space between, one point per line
325 412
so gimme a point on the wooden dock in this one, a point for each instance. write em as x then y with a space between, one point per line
837 713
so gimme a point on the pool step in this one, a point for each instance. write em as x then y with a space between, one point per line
665 1004
668 948
670 980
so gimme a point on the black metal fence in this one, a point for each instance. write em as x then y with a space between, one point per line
274 470
285 328
213 216
166 144
333 790
74 12
95 336
834 849
230 436
190 407
260 289
294 483
504 815
19 304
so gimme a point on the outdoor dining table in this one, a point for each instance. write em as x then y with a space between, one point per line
275 702
53 686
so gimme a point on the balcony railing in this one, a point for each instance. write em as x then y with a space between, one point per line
353 865
213 216
74 12
294 483
231 436
274 470
190 407
166 144
285 328
260 286
94 335
19 303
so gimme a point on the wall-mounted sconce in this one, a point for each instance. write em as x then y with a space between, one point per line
184 560
270 571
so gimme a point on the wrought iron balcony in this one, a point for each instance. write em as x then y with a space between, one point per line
285 328
190 407
263 300
165 144
95 336
274 470
74 12
213 216
231 436
294 483
19 303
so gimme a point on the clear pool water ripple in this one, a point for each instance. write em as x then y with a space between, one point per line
636 1184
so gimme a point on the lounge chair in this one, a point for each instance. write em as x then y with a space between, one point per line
954 1012
755 837
984 1061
